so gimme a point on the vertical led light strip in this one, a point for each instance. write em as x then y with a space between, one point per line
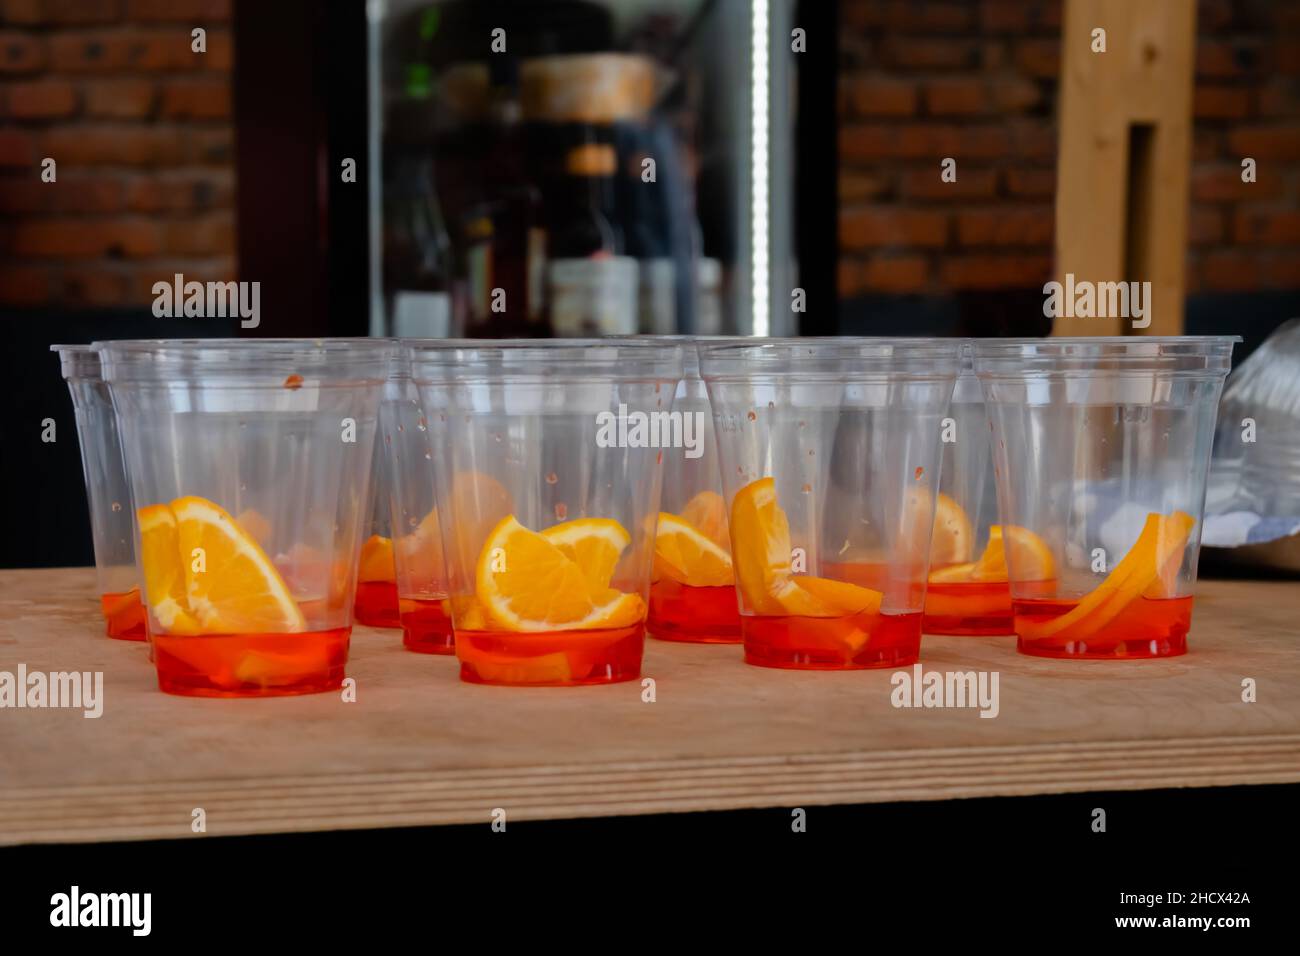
375 13
759 96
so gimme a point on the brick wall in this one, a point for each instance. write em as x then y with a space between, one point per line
139 126
977 81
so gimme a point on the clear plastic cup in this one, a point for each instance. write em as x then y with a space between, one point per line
1101 450
830 458
692 588
376 602
106 492
551 470
249 463
412 447
968 592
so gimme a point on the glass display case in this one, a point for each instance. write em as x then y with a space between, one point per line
573 167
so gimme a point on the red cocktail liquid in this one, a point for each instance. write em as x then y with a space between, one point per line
833 643
251 665
551 658
1145 627
124 615
376 604
701 615
426 627
968 608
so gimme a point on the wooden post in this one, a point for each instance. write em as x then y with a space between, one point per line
1124 155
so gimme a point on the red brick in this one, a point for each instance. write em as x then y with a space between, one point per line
134 50
860 141
1288 55
1006 226
916 54
869 96
1221 102
1016 95
41 100
182 192
848 277
178 11
1265 142
101 285
198 99
970 184
60 12
205 236
210 147
1020 16
956 97
1207 144
896 274
93 194
1029 183
1224 59
116 146
996 271
863 14
16 148
21 52
870 226
220 56
1205 226
121 99
928 17
1033 140
1213 16
1278 98
1282 270
1220 183
1271 227
82 239
1228 270
935 141
1039 58
24 285
855 186
24 194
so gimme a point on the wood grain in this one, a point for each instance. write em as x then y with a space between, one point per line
419 747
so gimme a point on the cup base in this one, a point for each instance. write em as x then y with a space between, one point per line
251 665
1142 628
551 658
1110 651
376 604
856 642
124 615
426 627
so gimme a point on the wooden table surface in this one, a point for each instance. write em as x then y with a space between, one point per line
419 747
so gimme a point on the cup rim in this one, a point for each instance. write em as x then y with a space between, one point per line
206 360
551 359
1105 355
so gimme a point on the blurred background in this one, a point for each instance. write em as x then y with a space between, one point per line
566 167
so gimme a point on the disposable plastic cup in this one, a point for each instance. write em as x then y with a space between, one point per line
1101 452
830 456
692 588
376 602
412 449
968 592
249 463
552 461
106 492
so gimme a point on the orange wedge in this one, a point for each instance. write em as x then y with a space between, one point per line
684 553
376 562
1029 553
594 545
527 583
255 523
707 513
238 590
760 535
1162 539
164 580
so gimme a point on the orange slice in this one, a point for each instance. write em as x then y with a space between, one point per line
684 553
527 583
1029 553
1162 539
953 537
237 590
376 562
707 513
164 580
594 545
760 534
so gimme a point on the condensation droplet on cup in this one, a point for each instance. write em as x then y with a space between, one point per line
428 456
552 478
423 425
561 511
293 381
412 523
919 472
771 404
752 416
401 427
806 489
659 458
496 437
117 506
